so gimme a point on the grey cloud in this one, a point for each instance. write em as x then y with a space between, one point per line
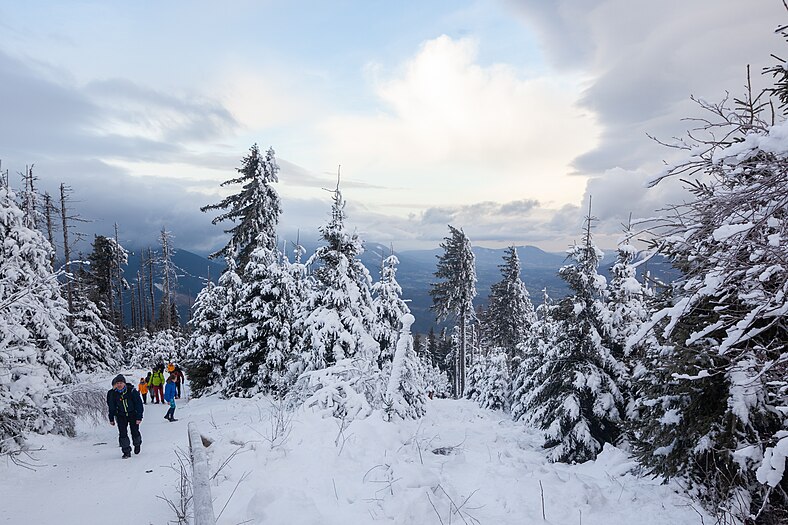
49 119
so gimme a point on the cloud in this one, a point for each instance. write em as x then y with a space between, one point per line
444 123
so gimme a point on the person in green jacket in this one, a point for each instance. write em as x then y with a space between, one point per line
157 385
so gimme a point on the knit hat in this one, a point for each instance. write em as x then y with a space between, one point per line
118 377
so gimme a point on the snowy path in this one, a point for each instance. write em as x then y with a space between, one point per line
84 480
371 471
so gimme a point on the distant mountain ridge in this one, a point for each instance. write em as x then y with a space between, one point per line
415 274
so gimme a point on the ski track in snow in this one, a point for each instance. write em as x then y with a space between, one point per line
379 472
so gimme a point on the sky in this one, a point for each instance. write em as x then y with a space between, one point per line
502 117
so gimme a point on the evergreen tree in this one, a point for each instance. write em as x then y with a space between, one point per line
213 326
542 337
715 377
454 295
33 324
340 315
405 391
103 277
574 396
627 301
206 349
495 385
254 210
94 347
389 309
510 313
263 334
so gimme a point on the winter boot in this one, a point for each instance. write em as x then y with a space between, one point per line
126 455
137 449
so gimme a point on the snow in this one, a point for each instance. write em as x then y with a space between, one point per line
329 472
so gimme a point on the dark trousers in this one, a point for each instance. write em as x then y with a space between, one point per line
178 387
170 413
123 432
145 398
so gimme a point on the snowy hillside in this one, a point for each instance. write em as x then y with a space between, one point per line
459 464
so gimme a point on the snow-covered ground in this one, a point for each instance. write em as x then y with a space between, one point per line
320 471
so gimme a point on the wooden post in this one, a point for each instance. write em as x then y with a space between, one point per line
201 488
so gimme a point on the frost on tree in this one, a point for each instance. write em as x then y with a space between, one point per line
161 348
574 396
208 344
389 309
254 210
541 338
453 296
339 354
33 322
510 313
405 396
714 399
94 346
340 318
494 388
263 334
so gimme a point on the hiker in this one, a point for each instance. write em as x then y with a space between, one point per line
143 389
169 396
157 385
125 408
179 379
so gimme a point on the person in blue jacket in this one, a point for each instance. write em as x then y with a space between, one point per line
170 392
125 408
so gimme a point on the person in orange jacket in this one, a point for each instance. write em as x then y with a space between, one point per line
143 389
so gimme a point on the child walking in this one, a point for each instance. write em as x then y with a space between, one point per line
143 389
170 390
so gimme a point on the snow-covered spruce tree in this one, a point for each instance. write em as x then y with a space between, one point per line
341 318
389 310
405 394
94 346
475 378
436 380
339 354
541 338
213 324
574 396
33 322
510 313
454 295
161 348
714 398
495 387
263 335
252 208
627 299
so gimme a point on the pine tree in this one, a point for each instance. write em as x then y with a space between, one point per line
541 338
495 385
33 324
95 347
254 210
716 367
340 315
510 313
213 326
405 391
263 334
454 295
574 396
206 351
389 309
103 276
